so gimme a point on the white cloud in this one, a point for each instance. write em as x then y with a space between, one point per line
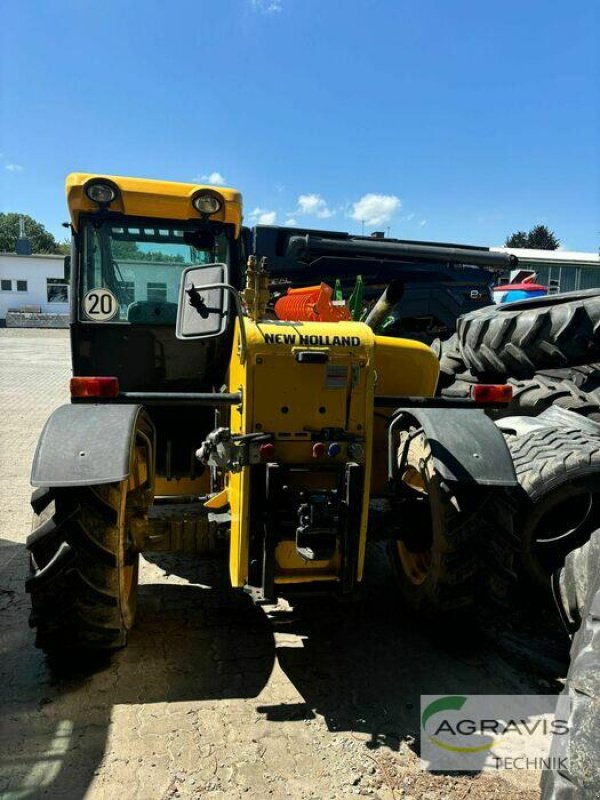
266 6
261 216
375 209
314 205
14 167
291 222
214 178
422 222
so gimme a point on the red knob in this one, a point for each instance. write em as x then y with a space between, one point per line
318 450
267 450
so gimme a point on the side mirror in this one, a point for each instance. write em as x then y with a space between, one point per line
203 304
67 268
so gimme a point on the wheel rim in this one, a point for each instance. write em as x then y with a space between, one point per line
414 554
129 592
415 565
563 527
564 520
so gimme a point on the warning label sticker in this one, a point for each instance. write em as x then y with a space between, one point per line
336 376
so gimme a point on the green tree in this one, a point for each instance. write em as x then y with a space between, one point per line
518 239
542 238
125 251
41 240
63 248
539 237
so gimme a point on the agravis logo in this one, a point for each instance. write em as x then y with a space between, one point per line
455 729
490 730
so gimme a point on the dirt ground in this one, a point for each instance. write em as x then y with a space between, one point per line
215 698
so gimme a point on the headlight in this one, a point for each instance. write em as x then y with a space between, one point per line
207 203
102 193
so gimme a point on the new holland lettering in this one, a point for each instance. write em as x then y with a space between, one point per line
312 339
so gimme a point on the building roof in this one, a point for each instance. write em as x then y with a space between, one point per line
550 257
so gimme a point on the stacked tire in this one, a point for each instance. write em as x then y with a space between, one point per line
577 590
548 349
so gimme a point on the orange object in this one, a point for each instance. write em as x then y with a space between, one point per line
311 304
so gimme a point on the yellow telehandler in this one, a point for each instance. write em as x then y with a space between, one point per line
202 422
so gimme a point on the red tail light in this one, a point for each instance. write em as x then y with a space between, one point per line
492 393
94 387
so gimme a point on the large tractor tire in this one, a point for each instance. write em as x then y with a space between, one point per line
83 562
452 365
519 339
585 376
559 473
456 550
578 593
532 397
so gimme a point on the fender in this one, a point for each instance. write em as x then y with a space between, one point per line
466 445
84 445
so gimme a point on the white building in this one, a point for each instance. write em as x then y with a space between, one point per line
563 270
35 282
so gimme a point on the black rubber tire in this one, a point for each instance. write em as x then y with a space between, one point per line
83 570
586 377
452 366
533 396
519 339
559 475
459 389
579 598
466 535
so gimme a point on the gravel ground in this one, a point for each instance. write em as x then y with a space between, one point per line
215 698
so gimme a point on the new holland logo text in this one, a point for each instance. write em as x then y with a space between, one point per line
318 341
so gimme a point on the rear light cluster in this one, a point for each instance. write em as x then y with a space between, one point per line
492 393
94 387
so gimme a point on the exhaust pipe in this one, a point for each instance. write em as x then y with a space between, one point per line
392 294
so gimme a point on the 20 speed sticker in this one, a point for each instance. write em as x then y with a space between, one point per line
100 305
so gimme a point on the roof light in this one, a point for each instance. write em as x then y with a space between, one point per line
207 203
492 393
101 192
94 387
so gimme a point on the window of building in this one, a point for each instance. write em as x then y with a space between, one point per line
57 290
126 292
6 286
21 286
157 292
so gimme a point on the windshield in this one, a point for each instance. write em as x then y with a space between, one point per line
130 272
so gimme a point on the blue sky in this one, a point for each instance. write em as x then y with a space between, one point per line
456 120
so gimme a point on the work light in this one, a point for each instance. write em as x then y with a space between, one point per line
101 193
207 203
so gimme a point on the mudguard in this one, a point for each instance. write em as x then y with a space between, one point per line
466 445
84 445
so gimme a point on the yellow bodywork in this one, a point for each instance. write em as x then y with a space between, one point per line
140 197
404 368
292 401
